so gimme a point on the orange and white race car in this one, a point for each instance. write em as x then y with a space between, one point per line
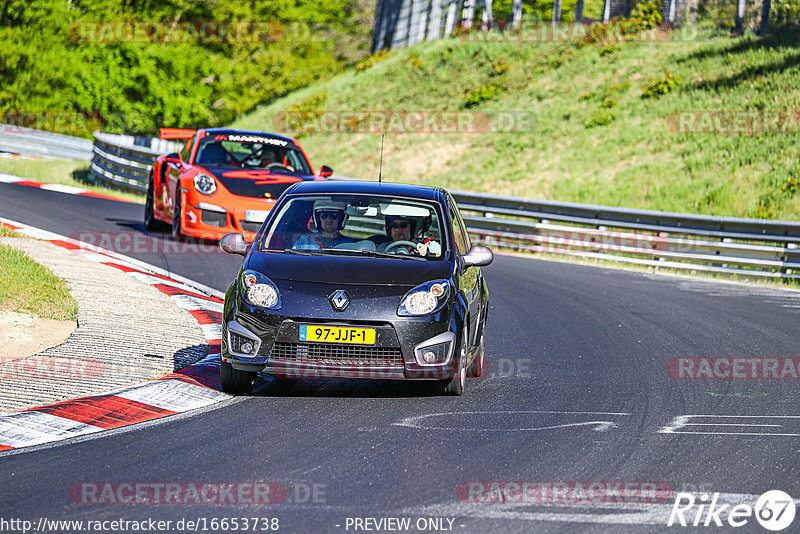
223 181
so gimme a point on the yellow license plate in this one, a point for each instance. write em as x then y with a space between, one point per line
337 334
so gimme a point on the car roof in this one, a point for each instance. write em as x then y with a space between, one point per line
367 188
248 132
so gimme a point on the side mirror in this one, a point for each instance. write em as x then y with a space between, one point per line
174 158
325 171
478 256
234 244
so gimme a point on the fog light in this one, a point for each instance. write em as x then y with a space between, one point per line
437 350
242 342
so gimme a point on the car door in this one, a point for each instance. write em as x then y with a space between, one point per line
469 277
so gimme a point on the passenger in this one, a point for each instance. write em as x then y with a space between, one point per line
402 228
330 218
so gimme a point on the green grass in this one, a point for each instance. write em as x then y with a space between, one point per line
26 286
64 172
597 122
8 232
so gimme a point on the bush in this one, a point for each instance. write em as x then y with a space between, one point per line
644 16
482 94
608 50
601 117
415 61
647 14
500 67
661 86
372 60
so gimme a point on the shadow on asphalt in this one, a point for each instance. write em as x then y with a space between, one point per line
343 388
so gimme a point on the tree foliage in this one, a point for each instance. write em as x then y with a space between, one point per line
80 56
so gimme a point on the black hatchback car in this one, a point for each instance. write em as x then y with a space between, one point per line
357 280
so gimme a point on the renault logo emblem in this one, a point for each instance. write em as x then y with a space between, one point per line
339 300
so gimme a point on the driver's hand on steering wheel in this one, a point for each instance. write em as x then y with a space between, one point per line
422 249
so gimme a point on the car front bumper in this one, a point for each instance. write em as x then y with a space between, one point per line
205 219
396 354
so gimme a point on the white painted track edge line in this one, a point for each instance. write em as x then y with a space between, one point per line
114 255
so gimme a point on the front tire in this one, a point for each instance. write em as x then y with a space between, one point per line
455 386
236 381
150 222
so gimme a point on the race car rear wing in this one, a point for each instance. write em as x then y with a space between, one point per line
176 133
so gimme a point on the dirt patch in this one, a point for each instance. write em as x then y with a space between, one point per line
23 335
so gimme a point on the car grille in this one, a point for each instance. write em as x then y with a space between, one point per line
250 226
327 354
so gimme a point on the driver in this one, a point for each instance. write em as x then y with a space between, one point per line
402 228
330 218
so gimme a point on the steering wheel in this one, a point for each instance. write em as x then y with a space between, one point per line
396 244
279 165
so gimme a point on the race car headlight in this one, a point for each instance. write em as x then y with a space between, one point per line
205 184
425 299
259 291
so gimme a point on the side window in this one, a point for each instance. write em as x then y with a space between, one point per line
467 241
187 149
458 233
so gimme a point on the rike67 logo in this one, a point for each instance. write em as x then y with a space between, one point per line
774 510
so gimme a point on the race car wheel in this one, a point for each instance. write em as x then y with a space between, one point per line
235 381
476 367
150 222
176 215
455 386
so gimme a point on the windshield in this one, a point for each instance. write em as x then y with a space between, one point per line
363 225
251 152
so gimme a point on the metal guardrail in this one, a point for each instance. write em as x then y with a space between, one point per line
118 161
38 143
749 248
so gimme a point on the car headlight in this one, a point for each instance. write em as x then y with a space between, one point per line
205 184
258 290
425 299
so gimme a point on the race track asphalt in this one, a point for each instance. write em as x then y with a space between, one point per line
578 390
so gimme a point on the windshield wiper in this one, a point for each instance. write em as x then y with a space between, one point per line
350 252
304 252
368 252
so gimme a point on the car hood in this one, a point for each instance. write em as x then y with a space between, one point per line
345 270
256 183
